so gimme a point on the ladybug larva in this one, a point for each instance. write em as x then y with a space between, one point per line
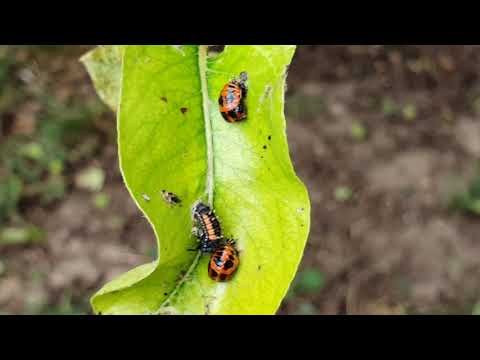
208 229
232 99
224 262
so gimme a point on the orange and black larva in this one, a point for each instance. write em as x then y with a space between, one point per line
209 231
232 99
224 262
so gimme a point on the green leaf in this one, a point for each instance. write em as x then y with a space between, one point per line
172 137
104 66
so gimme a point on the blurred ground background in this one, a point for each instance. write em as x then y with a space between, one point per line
387 139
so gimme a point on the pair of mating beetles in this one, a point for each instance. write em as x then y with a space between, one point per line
225 259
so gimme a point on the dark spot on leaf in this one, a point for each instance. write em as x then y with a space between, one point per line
259 267
164 99
265 147
269 137
184 110
99 313
165 294
268 90
228 264
261 156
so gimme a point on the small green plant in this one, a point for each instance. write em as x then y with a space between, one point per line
389 107
10 193
476 309
3 268
359 132
310 281
307 282
469 200
395 111
409 112
101 201
343 194
91 179
21 235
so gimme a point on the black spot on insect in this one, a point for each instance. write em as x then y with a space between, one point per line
213 273
269 137
184 110
223 277
164 99
232 114
264 147
231 257
228 264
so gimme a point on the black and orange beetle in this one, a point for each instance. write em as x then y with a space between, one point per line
224 262
232 99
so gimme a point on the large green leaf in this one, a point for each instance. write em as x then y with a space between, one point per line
104 66
172 137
